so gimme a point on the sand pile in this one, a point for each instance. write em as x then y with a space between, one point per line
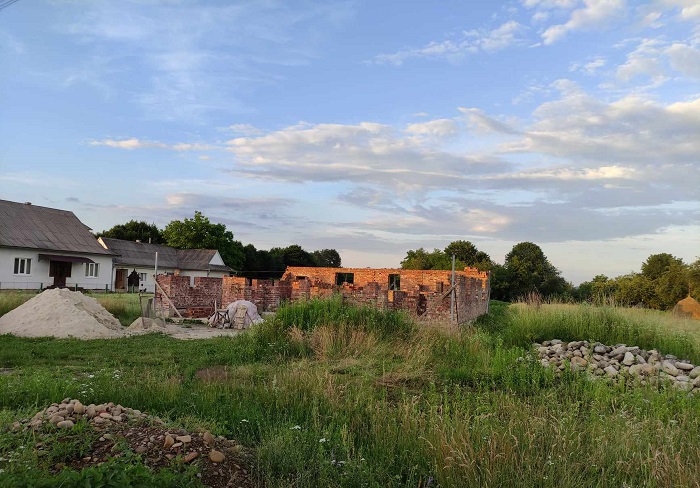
61 313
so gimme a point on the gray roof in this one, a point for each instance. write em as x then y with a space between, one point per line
132 253
29 226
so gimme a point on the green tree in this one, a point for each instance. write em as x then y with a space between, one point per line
694 279
200 233
422 259
657 265
671 286
326 258
467 253
527 270
134 231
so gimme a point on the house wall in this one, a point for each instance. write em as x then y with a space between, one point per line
39 277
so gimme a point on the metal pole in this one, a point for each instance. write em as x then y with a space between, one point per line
452 294
156 275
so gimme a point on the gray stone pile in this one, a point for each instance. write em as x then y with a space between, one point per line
67 413
620 360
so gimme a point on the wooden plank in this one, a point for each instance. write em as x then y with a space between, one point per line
167 298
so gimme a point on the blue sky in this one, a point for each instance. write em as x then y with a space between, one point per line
370 127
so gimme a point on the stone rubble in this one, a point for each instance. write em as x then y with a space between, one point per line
600 360
69 412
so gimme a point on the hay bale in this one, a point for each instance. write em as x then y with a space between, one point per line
688 307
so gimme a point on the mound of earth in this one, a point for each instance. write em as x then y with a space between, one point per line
221 462
61 313
688 307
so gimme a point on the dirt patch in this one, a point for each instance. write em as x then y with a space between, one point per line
213 374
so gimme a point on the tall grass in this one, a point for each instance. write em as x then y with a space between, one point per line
9 300
609 325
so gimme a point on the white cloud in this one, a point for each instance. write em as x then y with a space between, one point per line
481 122
469 42
591 67
436 128
549 4
594 15
685 59
243 130
135 143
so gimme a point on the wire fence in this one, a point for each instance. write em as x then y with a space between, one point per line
39 285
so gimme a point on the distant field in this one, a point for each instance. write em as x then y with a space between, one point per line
332 395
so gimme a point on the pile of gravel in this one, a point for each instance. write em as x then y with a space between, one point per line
619 360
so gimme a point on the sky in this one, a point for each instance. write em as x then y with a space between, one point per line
372 127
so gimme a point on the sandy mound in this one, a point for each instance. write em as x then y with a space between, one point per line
148 325
61 313
688 307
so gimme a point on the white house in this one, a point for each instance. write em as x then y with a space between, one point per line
141 257
42 247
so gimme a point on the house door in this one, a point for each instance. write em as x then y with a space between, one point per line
120 279
59 271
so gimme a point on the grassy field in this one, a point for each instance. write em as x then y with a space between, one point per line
329 395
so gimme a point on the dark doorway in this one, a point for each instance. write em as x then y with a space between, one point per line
59 271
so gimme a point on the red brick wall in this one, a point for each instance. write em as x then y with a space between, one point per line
193 301
371 286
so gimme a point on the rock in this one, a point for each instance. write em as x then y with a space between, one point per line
55 419
65 424
208 438
636 369
90 411
98 420
684 366
619 350
611 371
695 372
669 368
216 456
682 377
578 363
629 359
106 415
190 457
140 449
185 439
78 408
542 350
168 443
176 445
696 382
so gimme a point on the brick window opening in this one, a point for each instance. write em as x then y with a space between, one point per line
301 278
394 281
342 278
440 287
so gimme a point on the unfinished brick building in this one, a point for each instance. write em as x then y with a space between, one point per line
423 293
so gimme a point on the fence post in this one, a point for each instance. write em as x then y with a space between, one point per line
41 287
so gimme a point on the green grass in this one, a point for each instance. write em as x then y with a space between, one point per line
330 395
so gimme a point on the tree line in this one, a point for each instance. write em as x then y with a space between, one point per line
663 280
200 233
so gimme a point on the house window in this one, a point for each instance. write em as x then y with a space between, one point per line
23 266
394 282
143 277
341 278
91 270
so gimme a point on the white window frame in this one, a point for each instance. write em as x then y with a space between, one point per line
143 277
22 265
92 270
